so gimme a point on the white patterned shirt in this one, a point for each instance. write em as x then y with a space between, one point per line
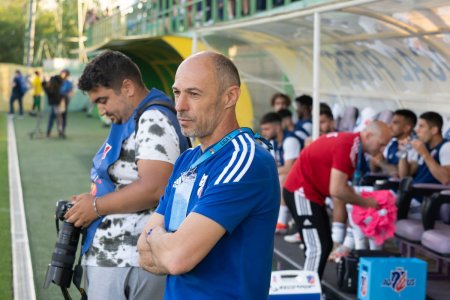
115 240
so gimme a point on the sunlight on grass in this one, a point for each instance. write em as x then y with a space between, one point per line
53 169
5 234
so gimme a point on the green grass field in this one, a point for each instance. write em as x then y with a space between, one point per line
52 169
5 233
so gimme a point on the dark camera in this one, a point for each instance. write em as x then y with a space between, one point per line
60 268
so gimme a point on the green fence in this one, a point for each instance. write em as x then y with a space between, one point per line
156 18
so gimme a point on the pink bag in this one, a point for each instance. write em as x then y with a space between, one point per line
377 224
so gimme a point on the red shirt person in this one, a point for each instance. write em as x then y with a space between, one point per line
322 170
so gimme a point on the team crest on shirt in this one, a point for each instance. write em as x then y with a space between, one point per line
201 184
107 148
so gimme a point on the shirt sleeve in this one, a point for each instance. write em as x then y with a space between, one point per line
342 160
412 155
307 126
444 154
156 138
162 206
291 148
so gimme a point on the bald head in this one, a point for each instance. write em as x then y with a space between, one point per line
375 137
206 91
224 70
378 128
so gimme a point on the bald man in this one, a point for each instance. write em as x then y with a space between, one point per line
324 169
213 230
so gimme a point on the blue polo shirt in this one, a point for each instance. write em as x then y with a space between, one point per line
237 188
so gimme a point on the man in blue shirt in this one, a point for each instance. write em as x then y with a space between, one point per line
213 230
402 126
17 92
303 128
433 165
65 91
286 148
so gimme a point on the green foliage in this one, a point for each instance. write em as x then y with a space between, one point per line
12 28
13 19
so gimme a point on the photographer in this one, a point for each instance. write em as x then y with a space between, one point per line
129 174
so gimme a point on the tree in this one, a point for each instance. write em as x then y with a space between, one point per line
12 26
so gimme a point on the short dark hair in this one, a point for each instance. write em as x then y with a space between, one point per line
109 70
304 100
66 71
271 117
325 109
409 116
285 113
285 97
433 119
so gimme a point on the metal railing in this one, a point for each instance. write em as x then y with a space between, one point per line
161 17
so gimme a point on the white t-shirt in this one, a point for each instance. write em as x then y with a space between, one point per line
115 240
291 148
444 154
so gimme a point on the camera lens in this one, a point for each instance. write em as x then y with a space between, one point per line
60 268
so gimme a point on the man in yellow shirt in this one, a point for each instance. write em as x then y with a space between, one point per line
37 93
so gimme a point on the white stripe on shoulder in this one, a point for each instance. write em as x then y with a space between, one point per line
249 159
242 156
230 163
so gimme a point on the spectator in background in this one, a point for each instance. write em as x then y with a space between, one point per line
37 93
18 90
280 101
326 119
326 122
232 10
52 90
402 127
433 165
303 128
66 93
286 148
286 120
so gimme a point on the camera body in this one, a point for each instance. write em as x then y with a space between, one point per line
60 268
62 207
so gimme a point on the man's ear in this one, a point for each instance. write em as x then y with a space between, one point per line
434 130
128 88
409 128
232 95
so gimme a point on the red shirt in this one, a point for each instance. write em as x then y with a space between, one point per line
313 168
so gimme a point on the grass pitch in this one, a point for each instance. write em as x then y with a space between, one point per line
52 169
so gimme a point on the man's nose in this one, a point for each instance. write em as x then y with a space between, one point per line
101 109
181 102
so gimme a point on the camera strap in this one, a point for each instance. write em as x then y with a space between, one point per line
78 271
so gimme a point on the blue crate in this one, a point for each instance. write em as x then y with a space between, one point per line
391 278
